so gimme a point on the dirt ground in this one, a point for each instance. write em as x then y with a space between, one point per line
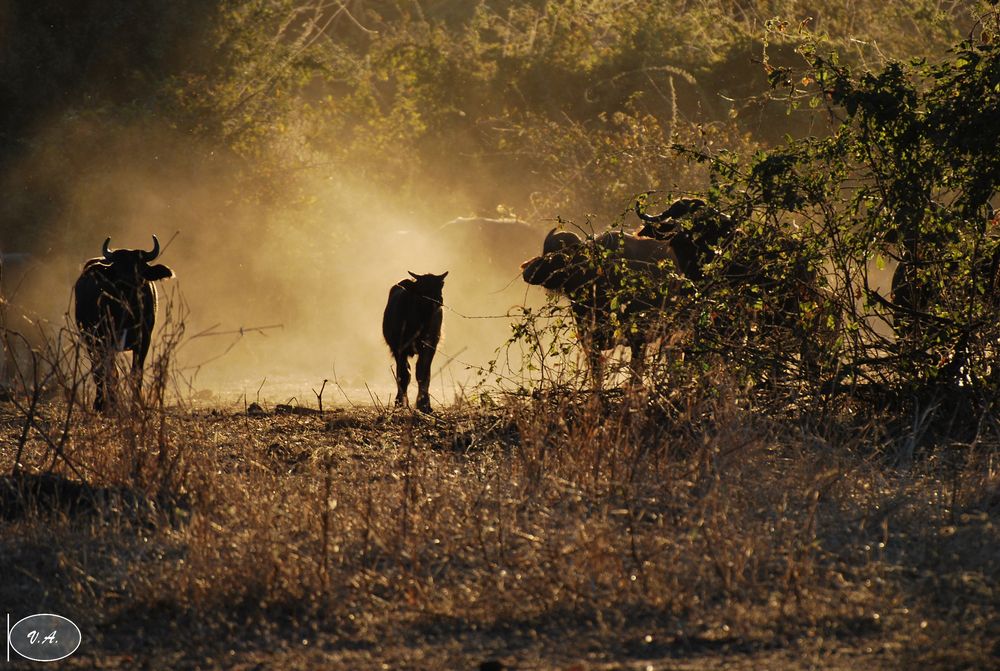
524 534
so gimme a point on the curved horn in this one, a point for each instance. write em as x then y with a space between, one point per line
550 245
679 208
106 249
685 206
152 254
649 218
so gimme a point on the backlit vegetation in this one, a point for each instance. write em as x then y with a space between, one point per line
805 475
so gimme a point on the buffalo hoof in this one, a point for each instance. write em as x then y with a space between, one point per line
424 406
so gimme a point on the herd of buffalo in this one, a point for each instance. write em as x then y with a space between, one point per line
115 295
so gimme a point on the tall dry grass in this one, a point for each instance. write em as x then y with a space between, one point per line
696 518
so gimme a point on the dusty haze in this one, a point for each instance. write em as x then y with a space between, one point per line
314 267
275 296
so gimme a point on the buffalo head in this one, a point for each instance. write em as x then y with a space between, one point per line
693 229
561 266
429 286
661 225
130 267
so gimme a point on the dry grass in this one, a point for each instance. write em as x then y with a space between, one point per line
635 529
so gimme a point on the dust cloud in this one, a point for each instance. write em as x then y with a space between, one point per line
276 293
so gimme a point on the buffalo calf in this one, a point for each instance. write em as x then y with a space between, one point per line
116 310
411 326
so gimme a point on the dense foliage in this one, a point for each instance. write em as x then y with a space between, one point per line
867 257
909 174
558 107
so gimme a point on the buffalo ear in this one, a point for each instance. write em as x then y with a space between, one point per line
157 272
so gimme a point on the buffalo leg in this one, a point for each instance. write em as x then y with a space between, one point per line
100 380
402 379
138 361
102 364
425 356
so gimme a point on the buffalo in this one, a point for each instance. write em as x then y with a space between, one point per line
411 326
595 274
116 310
693 229
793 297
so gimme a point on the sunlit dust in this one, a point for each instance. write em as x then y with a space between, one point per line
273 300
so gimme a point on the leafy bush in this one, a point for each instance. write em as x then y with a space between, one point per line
910 173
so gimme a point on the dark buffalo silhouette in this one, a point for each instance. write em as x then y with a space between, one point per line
116 310
411 326
917 281
693 229
592 273
794 299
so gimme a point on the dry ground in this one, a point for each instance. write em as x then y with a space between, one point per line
566 532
